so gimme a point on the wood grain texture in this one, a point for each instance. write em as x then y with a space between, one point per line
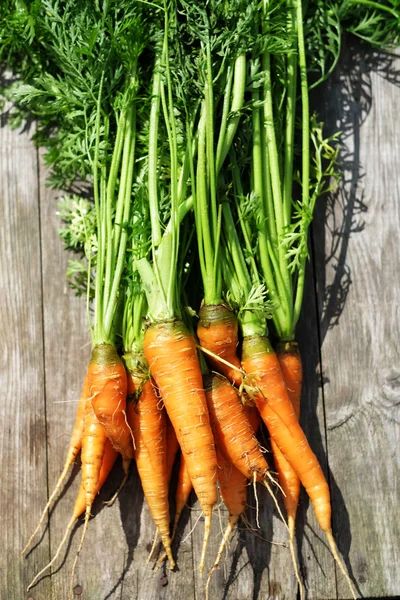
22 409
359 291
350 407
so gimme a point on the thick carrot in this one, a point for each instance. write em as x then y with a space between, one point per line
232 429
253 416
218 332
170 351
109 458
148 423
262 367
74 447
265 381
108 390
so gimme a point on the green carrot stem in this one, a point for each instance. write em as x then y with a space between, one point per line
224 115
377 5
100 236
239 86
112 302
290 121
153 155
305 179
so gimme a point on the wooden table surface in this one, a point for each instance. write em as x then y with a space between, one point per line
349 336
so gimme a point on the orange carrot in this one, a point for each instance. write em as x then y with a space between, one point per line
109 459
290 363
265 377
94 444
218 332
172 448
108 390
75 445
183 490
232 430
253 416
170 351
148 424
266 383
233 489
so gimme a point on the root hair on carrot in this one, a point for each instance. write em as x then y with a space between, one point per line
153 547
339 560
278 508
125 465
62 543
221 360
85 527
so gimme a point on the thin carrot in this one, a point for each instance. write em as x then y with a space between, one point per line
218 332
74 447
171 353
292 370
183 490
94 444
109 458
184 487
268 388
148 424
233 489
172 447
290 363
108 389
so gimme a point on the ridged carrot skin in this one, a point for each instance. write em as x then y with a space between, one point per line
268 387
232 486
94 442
288 354
170 351
108 390
218 332
75 443
233 433
147 419
109 458
253 416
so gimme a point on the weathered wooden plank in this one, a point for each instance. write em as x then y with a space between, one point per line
22 413
358 290
67 353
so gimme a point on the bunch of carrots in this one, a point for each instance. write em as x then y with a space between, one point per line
190 123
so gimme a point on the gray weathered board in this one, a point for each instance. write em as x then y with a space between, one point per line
349 336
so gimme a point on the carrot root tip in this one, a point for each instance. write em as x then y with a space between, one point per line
339 560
